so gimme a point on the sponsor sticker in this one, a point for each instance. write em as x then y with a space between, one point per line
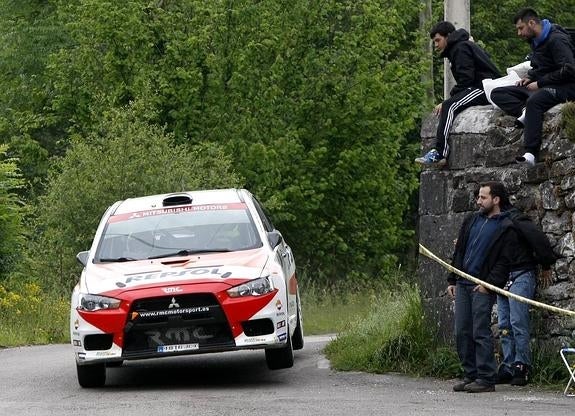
171 312
280 324
178 210
282 337
180 347
278 304
169 290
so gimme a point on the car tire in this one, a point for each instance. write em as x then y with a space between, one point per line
91 375
278 358
297 337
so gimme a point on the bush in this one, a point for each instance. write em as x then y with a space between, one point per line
31 316
125 158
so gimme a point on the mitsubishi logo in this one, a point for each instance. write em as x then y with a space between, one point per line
174 304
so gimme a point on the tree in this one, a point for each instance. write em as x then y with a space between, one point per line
11 213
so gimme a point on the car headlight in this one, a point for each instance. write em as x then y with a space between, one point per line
95 302
256 287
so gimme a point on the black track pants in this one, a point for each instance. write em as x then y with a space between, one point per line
513 99
449 109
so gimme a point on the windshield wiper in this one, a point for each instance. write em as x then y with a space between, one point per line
117 259
188 252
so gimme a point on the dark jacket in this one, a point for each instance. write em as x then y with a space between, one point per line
530 246
496 267
549 57
469 63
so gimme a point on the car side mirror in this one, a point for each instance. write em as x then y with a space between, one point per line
82 257
274 238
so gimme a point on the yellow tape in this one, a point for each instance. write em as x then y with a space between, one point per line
497 290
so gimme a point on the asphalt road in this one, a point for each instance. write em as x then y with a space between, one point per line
42 381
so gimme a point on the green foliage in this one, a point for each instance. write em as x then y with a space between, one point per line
11 231
30 34
124 158
392 338
31 316
314 101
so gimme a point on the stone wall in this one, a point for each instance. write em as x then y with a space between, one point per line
484 143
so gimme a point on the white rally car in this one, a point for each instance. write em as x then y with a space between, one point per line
184 273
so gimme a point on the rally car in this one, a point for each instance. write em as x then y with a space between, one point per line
184 273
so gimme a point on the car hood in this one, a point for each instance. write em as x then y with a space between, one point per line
229 268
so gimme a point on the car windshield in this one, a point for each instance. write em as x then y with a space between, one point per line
177 231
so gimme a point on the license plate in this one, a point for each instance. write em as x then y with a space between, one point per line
178 347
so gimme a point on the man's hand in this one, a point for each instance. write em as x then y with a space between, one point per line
545 279
523 82
437 109
481 289
451 291
534 86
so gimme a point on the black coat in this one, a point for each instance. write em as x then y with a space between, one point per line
497 264
469 63
530 246
549 58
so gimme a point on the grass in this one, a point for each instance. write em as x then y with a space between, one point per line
392 337
335 309
29 316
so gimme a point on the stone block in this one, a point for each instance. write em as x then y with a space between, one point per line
433 192
467 151
439 317
502 156
567 183
549 195
562 168
463 201
476 120
566 246
570 200
429 126
555 223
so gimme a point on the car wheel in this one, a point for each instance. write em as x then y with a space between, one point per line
278 358
92 375
297 338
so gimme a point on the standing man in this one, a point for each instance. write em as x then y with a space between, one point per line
482 250
470 65
547 83
530 247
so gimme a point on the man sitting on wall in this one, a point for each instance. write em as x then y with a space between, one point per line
470 65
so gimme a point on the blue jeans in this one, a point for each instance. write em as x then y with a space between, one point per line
513 317
473 336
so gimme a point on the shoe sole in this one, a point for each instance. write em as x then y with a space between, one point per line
439 164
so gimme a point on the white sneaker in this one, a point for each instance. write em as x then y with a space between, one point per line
527 159
521 118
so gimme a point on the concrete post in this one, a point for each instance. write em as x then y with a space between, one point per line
457 12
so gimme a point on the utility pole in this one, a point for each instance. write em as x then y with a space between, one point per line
457 12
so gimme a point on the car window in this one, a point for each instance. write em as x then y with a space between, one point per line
140 235
265 219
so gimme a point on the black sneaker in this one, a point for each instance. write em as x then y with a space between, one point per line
520 375
504 375
461 386
479 388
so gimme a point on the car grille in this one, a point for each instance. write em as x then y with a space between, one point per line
189 322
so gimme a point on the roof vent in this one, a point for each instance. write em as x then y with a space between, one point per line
177 200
